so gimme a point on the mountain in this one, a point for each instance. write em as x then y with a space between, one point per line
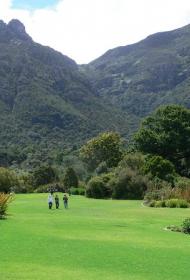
45 101
49 103
140 77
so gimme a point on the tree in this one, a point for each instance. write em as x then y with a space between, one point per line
70 178
43 175
167 133
160 168
8 180
128 184
106 147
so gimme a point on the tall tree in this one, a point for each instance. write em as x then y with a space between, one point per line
167 133
106 147
44 174
70 178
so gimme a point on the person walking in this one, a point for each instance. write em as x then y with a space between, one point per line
65 201
50 201
57 201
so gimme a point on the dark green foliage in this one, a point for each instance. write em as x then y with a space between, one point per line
98 187
77 191
43 175
8 180
106 148
134 161
45 102
167 133
186 226
102 168
70 178
160 168
128 185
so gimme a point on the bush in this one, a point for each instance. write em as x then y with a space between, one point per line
8 180
22 189
5 199
70 178
160 203
183 203
159 190
98 187
172 203
77 191
152 203
186 226
128 184
43 175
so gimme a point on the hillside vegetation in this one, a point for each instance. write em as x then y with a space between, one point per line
140 77
44 100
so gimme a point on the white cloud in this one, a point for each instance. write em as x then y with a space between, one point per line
85 29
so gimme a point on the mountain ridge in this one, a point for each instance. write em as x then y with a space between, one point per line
44 98
48 102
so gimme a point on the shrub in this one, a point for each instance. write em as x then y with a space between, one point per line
128 184
160 190
70 178
152 203
160 203
43 175
186 226
5 199
42 189
77 191
8 180
183 203
172 203
97 187
22 189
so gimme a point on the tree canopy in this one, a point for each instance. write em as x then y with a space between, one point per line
70 178
106 147
167 133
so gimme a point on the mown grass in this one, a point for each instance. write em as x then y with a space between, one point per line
94 239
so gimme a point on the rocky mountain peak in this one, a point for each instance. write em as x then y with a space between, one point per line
13 30
18 27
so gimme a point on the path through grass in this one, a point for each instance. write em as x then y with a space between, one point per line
94 239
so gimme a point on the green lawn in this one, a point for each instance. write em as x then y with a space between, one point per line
93 239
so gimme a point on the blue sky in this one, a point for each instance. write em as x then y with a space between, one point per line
33 4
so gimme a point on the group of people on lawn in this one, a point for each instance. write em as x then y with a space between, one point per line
51 201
